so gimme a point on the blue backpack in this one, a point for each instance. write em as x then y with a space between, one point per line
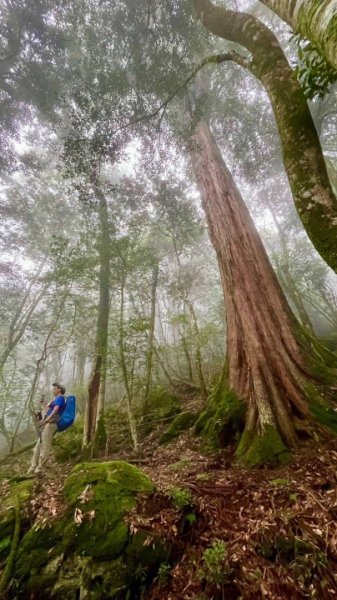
68 415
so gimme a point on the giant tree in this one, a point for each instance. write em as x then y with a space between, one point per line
270 366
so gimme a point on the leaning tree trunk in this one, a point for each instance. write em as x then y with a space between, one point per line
303 159
313 19
101 341
266 367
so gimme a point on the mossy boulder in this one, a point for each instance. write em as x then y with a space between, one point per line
107 490
89 550
180 423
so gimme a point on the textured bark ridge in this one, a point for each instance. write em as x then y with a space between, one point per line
314 19
302 155
266 367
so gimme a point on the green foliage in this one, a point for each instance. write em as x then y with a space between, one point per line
314 74
191 518
215 568
180 465
163 575
180 497
280 482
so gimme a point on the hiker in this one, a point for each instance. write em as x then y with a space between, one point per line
48 427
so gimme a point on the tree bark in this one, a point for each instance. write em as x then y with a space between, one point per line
313 19
266 367
101 342
303 159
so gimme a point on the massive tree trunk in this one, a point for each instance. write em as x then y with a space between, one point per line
266 366
101 341
313 19
302 154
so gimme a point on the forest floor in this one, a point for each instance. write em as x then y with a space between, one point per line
233 533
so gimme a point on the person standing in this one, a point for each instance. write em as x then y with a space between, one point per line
48 427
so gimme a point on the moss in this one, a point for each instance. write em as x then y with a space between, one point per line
96 557
325 415
223 419
267 449
106 490
20 490
36 549
180 423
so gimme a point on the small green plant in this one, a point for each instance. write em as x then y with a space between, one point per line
191 518
215 568
163 574
180 465
203 477
280 482
180 497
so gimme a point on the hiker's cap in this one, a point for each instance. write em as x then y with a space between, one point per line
61 387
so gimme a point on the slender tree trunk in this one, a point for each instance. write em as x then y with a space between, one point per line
302 154
101 342
266 367
285 276
132 424
313 19
150 339
289 288
198 354
81 359
186 352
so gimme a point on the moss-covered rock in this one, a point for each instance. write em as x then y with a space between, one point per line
16 489
89 549
180 423
109 489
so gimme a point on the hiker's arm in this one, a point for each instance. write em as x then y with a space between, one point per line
54 411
